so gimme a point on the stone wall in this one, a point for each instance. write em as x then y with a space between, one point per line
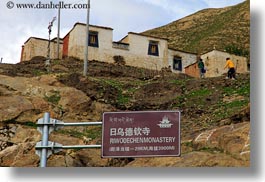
6 132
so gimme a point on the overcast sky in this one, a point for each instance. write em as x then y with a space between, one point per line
17 25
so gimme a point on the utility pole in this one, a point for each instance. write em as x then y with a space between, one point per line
47 63
58 34
86 41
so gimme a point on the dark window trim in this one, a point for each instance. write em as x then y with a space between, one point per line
93 36
177 60
153 49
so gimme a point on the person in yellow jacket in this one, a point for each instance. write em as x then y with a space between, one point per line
231 66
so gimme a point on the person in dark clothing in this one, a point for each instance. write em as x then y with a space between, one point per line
201 68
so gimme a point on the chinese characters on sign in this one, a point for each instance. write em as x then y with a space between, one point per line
141 134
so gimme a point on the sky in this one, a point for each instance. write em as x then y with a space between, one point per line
18 24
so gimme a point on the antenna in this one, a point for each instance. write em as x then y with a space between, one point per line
47 63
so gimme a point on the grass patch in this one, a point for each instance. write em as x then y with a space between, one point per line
123 99
188 144
229 90
179 101
226 110
238 104
123 93
37 72
199 93
54 98
243 90
212 150
73 133
177 82
92 133
31 124
113 83
56 62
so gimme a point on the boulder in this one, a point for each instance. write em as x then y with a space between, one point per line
21 155
232 140
12 106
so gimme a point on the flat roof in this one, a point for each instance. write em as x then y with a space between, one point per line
83 24
42 39
140 34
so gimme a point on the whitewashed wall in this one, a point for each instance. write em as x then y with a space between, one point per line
187 59
39 47
135 55
216 60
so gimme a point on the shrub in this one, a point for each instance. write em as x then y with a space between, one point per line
119 60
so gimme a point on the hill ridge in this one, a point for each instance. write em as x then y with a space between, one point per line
226 29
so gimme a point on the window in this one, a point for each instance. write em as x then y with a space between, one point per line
93 39
153 48
177 63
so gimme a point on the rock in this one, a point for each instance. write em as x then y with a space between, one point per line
59 68
31 97
228 139
91 158
21 155
233 98
74 100
81 158
65 139
98 109
12 106
192 159
56 161
26 134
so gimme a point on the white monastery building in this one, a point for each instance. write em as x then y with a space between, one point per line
135 50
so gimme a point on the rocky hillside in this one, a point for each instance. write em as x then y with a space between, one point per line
215 121
223 29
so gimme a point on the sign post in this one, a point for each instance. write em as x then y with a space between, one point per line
141 134
124 134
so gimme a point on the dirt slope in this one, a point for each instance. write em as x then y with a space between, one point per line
214 107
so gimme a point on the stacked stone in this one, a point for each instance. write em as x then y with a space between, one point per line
6 133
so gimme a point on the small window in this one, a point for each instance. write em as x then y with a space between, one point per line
153 48
177 63
93 39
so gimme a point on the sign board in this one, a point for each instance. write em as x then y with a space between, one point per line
141 134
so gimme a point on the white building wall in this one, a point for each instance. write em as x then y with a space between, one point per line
187 59
138 52
34 47
101 53
135 55
39 47
216 60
